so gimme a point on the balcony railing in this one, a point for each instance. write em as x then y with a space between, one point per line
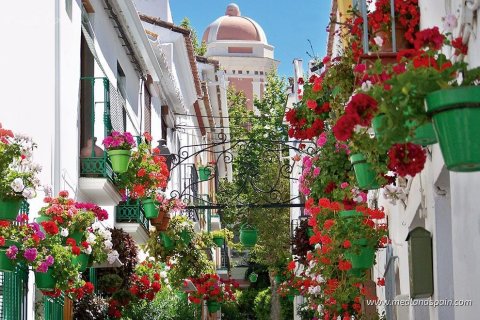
131 212
224 258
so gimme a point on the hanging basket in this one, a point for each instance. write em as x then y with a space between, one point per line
456 116
81 261
9 208
213 306
248 236
424 135
6 265
45 280
76 235
219 241
366 176
364 259
204 173
157 222
119 160
149 208
168 242
165 222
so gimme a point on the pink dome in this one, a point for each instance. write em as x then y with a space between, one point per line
232 26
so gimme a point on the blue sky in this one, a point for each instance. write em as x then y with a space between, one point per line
287 23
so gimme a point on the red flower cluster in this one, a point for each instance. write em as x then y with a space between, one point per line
211 287
72 243
359 111
100 214
301 128
406 159
50 227
431 38
143 288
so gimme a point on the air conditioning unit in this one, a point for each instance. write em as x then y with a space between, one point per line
402 310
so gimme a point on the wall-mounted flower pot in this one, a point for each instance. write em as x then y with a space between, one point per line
157 222
165 222
119 160
9 208
456 116
363 259
248 236
204 173
366 176
253 277
76 235
424 135
279 278
219 241
149 208
310 232
168 242
45 280
213 306
6 265
81 261
349 214
290 297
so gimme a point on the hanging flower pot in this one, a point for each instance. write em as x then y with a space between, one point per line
456 114
363 259
82 261
248 236
9 208
76 235
204 173
168 242
165 222
213 306
186 237
157 221
6 264
45 280
119 160
424 135
366 176
279 278
345 214
149 208
219 241
253 277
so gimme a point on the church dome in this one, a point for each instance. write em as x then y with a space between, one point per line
232 26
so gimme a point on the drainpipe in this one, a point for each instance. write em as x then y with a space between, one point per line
56 142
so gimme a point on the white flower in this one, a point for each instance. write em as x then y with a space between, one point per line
17 185
449 22
64 232
88 250
107 235
378 41
91 238
112 256
108 244
163 274
29 193
367 85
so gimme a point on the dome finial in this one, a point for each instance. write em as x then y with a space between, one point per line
232 10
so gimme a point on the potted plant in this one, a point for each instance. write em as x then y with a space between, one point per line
18 174
146 174
248 235
166 205
119 148
213 290
205 171
220 236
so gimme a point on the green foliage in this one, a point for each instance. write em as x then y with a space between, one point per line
286 309
262 305
90 307
200 49
167 305
245 299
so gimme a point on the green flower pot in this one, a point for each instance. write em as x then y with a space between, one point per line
181 295
119 160
290 297
204 173
45 280
345 214
168 242
150 209
186 237
9 209
424 135
248 236
279 278
253 277
81 261
76 235
366 177
456 116
219 241
364 259
6 265
213 306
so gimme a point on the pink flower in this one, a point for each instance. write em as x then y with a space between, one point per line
316 172
11 252
43 267
343 185
30 254
322 139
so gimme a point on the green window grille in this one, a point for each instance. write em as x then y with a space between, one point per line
92 277
14 288
53 307
131 212
95 166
